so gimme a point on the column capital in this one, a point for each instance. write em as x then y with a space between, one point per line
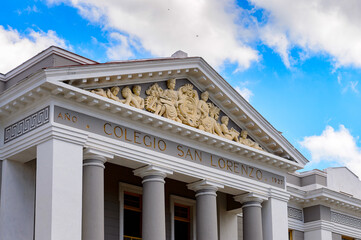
205 185
95 157
96 154
152 170
250 197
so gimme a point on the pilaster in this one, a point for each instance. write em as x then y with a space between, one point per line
59 177
274 215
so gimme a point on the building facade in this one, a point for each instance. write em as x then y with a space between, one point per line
156 149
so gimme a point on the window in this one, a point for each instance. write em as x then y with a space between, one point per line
290 237
347 238
132 216
182 222
183 218
130 199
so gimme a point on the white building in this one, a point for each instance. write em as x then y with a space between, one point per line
154 162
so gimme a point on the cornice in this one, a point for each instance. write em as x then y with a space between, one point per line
317 225
326 197
39 136
309 173
47 52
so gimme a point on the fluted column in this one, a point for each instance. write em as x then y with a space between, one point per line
153 209
93 194
252 215
206 209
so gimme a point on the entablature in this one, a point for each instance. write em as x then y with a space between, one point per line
327 197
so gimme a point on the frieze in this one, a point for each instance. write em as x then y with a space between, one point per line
26 125
295 213
182 105
345 220
154 143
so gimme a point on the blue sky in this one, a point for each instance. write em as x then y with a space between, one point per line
298 63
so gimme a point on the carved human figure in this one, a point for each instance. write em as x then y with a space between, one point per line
129 98
169 101
136 95
216 127
244 140
203 106
99 91
229 134
109 93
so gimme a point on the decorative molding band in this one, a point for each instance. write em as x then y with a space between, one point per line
295 213
345 220
26 125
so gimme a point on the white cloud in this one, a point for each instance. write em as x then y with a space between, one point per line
316 26
16 48
245 92
335 146
350 85
28 10
278 41
213 29
119 49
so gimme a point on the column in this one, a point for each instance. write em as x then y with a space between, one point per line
275 215
206 209
252 215
153 211
17 200
93 194
58 213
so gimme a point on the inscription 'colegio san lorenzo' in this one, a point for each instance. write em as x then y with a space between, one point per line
170 148
184 152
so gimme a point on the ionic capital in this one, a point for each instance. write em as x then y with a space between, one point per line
205 187
250 199
152 173
95 157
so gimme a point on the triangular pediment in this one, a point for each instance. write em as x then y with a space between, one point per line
193 71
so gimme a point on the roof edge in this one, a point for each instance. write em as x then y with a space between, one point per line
43 54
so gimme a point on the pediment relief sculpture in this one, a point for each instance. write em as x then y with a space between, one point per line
182 105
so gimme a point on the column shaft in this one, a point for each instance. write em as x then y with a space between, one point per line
93 200
252 221
153 227
153 211
207 225
207 228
